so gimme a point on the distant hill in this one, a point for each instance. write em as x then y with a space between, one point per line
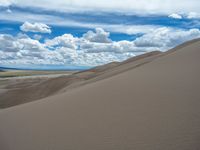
2 69
6 68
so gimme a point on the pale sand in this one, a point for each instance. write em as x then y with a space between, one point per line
154 105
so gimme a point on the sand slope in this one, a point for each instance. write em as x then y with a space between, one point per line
26 90
154 106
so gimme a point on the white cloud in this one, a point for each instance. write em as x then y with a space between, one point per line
62 50
66 40
189 15
8 43
141 6
35 27
166 38
70 50
31 44
6 2
114 47
175 16
131 29
61 21
99 36
193 15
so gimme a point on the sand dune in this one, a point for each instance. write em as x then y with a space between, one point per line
27 90
150 103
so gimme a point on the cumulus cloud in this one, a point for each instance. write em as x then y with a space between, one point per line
62 50
35 27
31 44
8 43
175 16
99 36
83 51
66 40
165 38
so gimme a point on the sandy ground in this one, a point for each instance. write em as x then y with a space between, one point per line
151 103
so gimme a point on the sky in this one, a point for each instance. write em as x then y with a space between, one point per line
87 33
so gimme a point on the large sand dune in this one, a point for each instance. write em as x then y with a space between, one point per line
141 104
23 90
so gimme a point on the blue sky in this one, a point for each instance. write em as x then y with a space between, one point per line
83 33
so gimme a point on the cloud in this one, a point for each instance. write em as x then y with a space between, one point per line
82 51
113 47
189 15
31 44
62 50
8 43
35 27
66 40
52 20
141 7
193 15
99 36
166 38
6 2
175 16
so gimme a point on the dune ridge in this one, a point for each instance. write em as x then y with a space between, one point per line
153 106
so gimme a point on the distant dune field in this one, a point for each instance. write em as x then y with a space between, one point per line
149 102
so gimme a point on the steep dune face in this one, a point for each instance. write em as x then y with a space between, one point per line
147 107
